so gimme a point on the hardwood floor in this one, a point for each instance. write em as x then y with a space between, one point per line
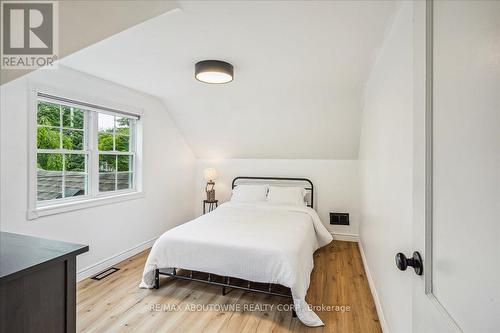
116 304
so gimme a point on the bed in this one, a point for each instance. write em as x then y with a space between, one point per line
262 242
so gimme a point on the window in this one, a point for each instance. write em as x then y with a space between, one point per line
62 151
116 157
83 152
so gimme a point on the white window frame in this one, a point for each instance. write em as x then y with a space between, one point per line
93 196
86 150
132 152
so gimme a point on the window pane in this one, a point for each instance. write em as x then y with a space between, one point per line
124 163
107 182
49 162
123 125
122 143
74 162
125 180
48 138
105 142
106 123
72 117
107 163
49 185
49 176
48 114
73 139
74 184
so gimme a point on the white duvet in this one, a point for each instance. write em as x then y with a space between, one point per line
258 242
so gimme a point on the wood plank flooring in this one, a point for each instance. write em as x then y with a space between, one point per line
116 304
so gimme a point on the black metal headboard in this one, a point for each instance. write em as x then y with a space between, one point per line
280 181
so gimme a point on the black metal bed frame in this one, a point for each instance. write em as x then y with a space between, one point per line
224 285
226 280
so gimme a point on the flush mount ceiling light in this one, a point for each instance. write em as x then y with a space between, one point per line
213 71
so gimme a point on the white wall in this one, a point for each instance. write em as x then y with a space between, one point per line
168 169
386 171
336 183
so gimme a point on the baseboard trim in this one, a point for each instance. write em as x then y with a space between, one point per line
107 263
345 237
378 306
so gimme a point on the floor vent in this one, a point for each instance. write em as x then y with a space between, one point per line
105 274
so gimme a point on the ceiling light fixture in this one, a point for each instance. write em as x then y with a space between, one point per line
213 71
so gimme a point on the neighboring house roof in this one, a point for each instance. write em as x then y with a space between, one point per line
49 184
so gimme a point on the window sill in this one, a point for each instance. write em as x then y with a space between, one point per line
83 204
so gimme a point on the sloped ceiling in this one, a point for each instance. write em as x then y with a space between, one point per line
85 22
300 69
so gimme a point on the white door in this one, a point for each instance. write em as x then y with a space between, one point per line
457 166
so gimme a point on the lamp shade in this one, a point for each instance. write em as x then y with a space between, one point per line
210 174
213 71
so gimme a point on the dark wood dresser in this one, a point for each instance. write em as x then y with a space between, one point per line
37 284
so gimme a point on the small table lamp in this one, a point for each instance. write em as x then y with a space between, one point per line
210 175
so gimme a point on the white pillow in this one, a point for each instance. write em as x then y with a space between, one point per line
249 193
286 195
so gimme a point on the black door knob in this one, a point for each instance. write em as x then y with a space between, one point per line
416 262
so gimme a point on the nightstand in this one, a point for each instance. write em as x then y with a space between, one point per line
212 204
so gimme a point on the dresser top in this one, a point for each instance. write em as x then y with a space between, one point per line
20 254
